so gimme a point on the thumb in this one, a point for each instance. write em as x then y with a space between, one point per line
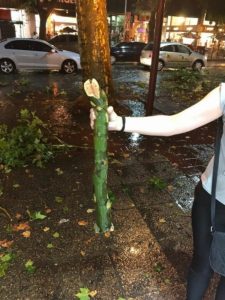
112 115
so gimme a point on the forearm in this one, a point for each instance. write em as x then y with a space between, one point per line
155 125
203 112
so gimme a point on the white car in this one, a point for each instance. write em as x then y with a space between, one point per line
35 54
173 55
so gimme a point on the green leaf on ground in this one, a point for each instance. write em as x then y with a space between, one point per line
157 183
16 185
29 266
50 246
83 294
56 235
59 171
158 267
5 261
36 215
59 199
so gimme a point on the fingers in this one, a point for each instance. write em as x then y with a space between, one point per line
113 118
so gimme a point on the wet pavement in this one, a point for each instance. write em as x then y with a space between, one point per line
147 256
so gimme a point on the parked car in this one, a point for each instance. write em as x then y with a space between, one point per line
34 54
66 42
173 55
127 51
69 42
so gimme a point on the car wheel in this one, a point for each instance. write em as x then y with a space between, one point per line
160 65
69 66
7 66
197 65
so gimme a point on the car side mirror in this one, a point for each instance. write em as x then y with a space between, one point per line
53 50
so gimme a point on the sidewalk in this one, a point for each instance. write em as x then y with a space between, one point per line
146 257
214 62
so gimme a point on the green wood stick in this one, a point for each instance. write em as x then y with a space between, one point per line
99 102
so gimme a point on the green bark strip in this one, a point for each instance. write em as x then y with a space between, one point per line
103 203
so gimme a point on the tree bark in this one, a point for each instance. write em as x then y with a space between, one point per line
43 19
94 42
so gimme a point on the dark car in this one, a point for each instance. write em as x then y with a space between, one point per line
127 51
66 42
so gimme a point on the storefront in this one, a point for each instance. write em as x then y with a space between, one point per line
26 23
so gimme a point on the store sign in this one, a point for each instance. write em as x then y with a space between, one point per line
67 1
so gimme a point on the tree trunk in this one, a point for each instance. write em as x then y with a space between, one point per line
199 28
43 19
94 42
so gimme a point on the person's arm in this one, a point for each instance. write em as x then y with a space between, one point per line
199 114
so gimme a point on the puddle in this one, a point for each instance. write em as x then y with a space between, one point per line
138 110
183 193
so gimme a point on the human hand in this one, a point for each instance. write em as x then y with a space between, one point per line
115 121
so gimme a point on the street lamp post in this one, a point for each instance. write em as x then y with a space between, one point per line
155 57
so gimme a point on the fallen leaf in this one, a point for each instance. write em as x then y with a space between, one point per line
90 210
16 185
6 244
142 190
37 215
21 226
29 266
82 223
62 221
58 199
126 155
50 246
111 154
93 293
45 229
170 188
82 253
56 235
59 171
107 234
48 210
18 216
115 161
89 240
162 220
26 234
